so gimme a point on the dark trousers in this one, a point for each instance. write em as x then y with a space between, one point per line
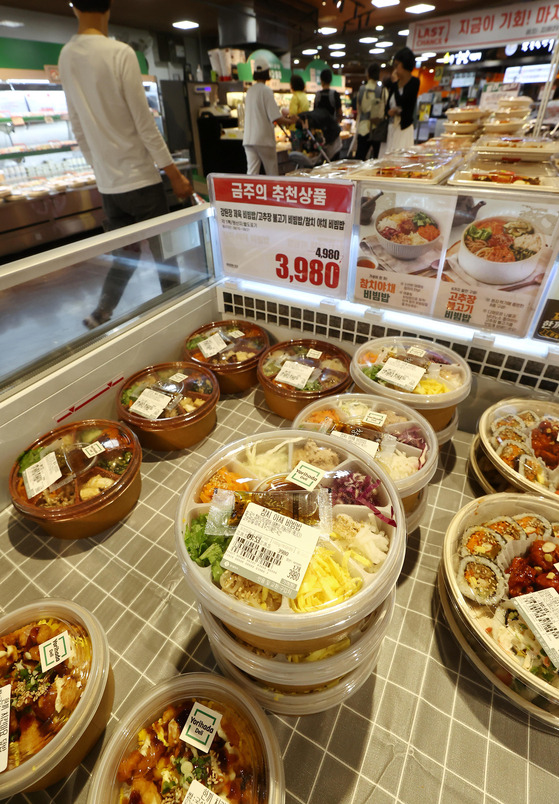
124 209
363 145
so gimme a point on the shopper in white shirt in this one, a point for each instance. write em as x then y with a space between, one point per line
118 136
261 112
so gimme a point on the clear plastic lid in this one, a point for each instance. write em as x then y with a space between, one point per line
527 148
398 437
519 435
485 168
304 368
461 126
354 565
75 469
445 380
88 667
178 394
244 754
488 550
465 113
413 164
226 345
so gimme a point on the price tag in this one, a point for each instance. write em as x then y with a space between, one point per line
402 375
314 354
96 448
236 333
271 549
18 121
306 475
375 418
49 119
5 696
295 374
41 475
54 651
363 443
198 794
213 345
541 612
150 404
201 727
178 377
416 351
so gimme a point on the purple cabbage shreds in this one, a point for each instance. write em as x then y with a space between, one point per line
411 435
434 357
353 488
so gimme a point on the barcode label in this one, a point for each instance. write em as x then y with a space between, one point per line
5 696
96 448
213 345
541 612
198 794
271 549
370 447
403 375
41 475
150 404
295 374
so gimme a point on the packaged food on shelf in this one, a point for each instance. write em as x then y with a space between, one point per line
79 479
169 406
196 732
296 372
54 660
480 169
528 149
428 377
416 165
461 127
231 349
465 114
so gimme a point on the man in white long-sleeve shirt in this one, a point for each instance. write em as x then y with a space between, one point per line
118 136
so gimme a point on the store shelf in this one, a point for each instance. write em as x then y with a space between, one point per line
39 152
33 118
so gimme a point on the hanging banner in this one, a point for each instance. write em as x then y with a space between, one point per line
285 231
487 28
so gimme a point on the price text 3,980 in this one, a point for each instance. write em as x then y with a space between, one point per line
313 271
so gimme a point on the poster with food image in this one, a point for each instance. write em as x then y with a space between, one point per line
402 242
498 260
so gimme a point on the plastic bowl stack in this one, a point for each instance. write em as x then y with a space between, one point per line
423 375
297 372
341 600
230 349
395 435
169 406
79 479
52 741
245 754
465 121
497 549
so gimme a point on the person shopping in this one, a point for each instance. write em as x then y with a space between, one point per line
402 101
119 138
327 98
261 112
371 107
299 101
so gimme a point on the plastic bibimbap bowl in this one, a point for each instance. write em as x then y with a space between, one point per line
178 410
355 512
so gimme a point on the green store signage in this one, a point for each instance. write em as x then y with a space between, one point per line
277 71
25 54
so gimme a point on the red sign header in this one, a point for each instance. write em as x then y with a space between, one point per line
284 192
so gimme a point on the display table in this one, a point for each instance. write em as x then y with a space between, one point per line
425 727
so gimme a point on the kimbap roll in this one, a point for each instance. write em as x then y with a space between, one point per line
481 541
510 452
509 434
534 525
506 527
481 580
528 417
508 420
533 470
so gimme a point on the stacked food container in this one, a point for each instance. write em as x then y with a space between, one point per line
294 572
510 116
465 122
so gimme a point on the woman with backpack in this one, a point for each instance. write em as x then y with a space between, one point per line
371 105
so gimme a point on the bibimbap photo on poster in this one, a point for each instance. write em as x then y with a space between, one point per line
402 239
498 261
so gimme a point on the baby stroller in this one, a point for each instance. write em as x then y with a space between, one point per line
316 139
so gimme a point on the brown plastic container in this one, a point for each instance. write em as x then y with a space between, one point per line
186 385
330 375
82 501
236 362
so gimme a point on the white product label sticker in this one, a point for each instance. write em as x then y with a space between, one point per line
150 404
314 354
402 375
416 351
295 374
5 695
271 549
178 377
201 727
306 475
198 794
541 612
236 333
96 448
54 651
213 345
375 418
363 443
41 475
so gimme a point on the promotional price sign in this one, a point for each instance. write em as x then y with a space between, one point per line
285 231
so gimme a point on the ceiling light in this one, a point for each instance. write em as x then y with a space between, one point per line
336 45
336 66
310 51
385 44
185 25
295 61
337 54
429 55
11 24
379 27
385 3
441 61
368 40
327 31
383 64
319 47
405 32
420 8
377 50
431 70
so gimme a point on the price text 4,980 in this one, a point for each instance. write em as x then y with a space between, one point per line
313 271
